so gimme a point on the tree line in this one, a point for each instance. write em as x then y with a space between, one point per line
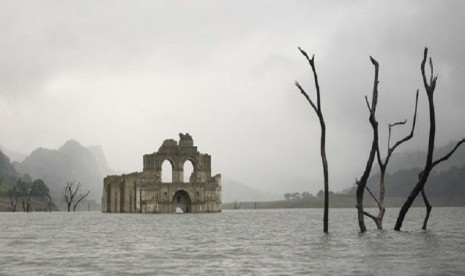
305 195
25 189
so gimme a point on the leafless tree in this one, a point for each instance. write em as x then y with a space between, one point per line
25 190
317 108
378 219
430 86
13 193
71 196
361 184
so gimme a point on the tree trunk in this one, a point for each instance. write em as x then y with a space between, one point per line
428 209
429 87
374 146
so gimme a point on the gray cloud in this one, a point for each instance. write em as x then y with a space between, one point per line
128 75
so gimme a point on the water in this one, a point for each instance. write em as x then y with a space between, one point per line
243 242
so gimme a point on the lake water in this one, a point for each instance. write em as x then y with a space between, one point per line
242 242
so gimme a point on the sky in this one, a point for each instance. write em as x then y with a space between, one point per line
127 75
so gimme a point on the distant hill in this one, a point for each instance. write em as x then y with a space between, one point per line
102 163
8 173
447 186
416 159
237 191
445 183
72 161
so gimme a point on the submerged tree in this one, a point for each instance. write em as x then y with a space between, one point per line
319 113
361 184
71 196
25 190
430 86
13 193
378 219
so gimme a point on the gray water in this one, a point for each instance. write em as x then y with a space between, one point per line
243 242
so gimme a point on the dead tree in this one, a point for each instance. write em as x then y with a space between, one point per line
25 190
430 86
361 184
378 219
80 197
70 191
13 193
319 113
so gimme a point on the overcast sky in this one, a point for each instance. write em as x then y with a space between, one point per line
128 74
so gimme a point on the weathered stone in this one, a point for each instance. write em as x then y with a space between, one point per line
144 192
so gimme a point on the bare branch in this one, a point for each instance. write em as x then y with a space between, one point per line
398 123
368 103
445 157
79 199
409 136
306 96
369 215
311 61
432 69
423 73
373 196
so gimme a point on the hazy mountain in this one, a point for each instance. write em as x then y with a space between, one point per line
13 155
8 173
446 186
102 163
70 162
416 159
236 191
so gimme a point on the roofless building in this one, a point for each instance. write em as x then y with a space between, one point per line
144 192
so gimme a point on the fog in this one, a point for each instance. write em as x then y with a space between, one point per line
128 74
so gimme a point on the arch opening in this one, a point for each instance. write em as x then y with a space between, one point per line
182 200
166 172
188 172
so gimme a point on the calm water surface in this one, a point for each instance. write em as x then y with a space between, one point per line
244 242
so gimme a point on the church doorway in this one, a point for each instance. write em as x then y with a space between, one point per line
182 200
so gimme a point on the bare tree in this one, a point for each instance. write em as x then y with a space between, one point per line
319 113
25 190
430 86
71 196
361 184
378 219
80 197
13 193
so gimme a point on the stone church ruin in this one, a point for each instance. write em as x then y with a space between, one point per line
144 192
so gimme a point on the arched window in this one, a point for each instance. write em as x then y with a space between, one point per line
166 172
188 171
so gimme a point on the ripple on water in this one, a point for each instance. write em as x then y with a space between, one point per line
255 242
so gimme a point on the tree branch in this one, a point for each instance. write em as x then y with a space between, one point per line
369 215
311 61
373 196
445 157
368 104
307 97
409 136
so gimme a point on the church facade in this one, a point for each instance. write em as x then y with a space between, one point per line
144 192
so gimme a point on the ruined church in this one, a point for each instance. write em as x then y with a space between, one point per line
144 192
